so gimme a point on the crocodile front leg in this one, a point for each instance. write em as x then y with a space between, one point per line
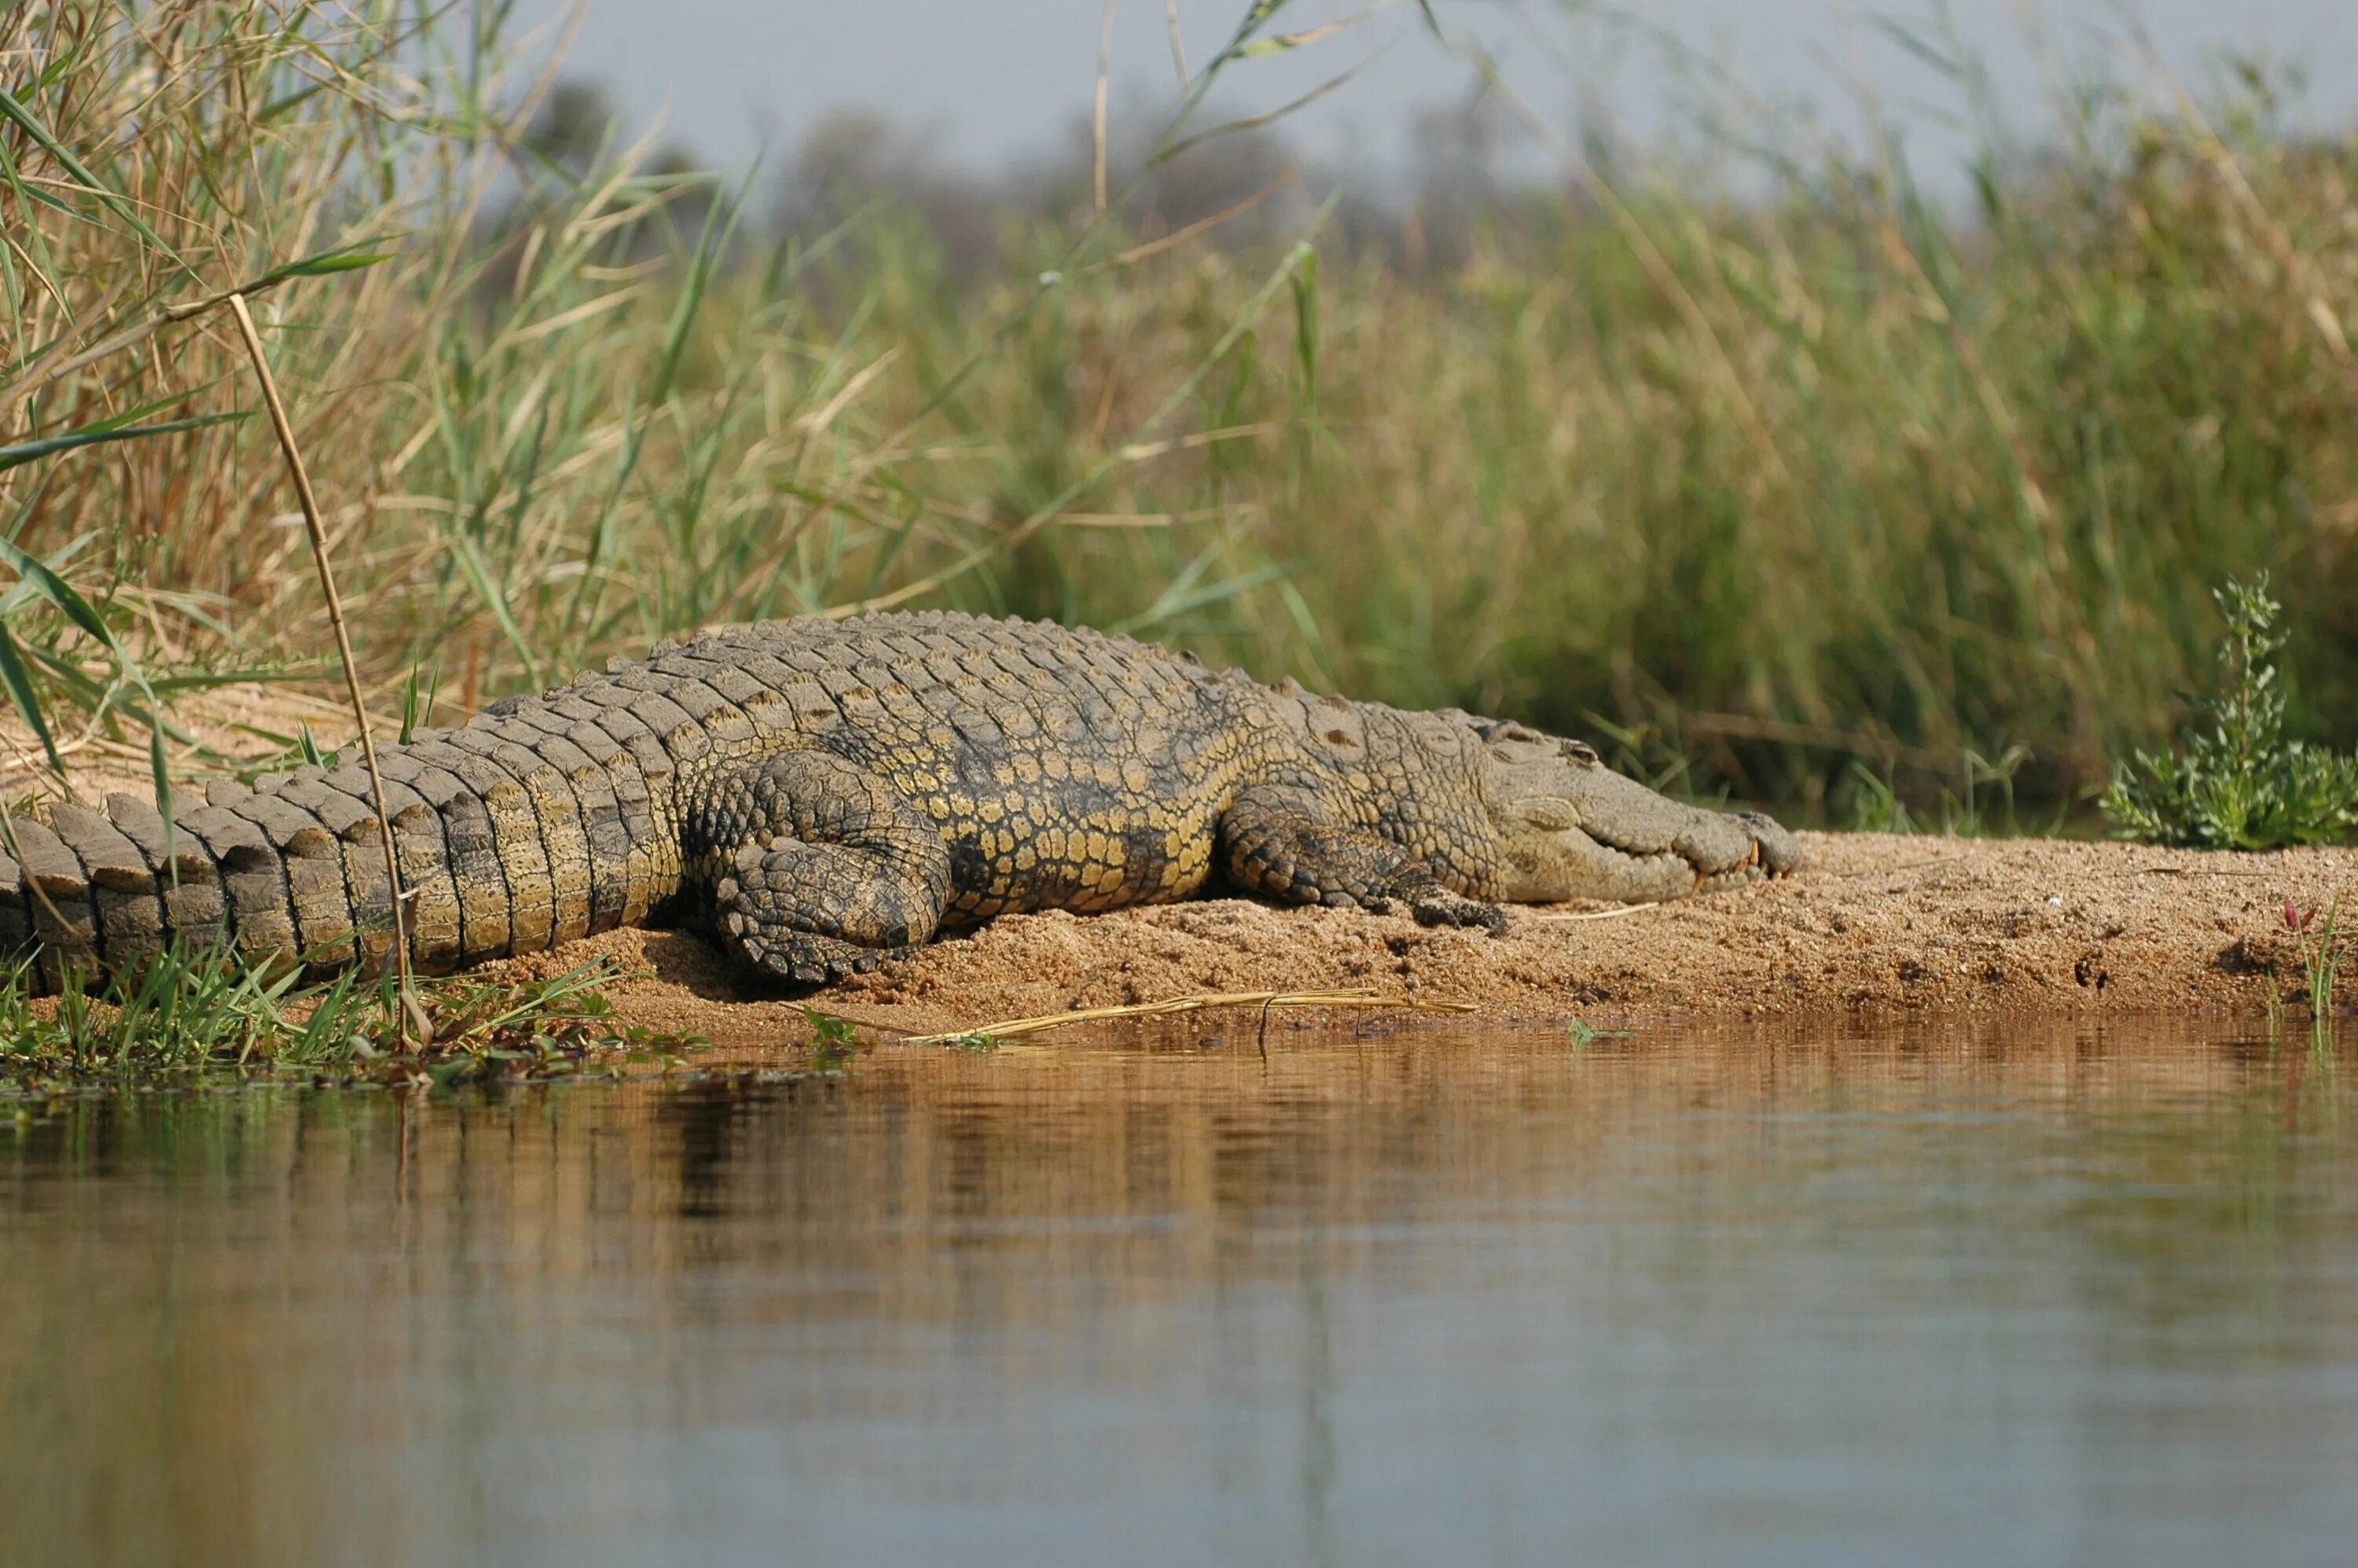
817 868
1283 840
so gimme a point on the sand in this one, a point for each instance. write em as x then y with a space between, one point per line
1874 924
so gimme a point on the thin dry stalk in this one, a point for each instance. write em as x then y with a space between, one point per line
409 1013
50 369
1264 1000
1097 125
1178 44
1139 253
1602 914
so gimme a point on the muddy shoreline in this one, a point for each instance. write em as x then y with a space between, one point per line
1876 923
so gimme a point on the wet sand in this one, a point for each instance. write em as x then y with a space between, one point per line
1875 924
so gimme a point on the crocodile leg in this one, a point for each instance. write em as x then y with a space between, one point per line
1282 841
817 867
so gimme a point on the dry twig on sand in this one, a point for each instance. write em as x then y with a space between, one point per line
1265 1001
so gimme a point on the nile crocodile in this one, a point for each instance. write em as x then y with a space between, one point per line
824 794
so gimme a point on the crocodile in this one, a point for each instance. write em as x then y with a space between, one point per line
823 795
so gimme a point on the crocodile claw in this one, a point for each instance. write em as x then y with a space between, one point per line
1441 907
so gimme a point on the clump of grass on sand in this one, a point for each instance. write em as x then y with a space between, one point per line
2322 944
195 1014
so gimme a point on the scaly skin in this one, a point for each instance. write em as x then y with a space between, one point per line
824 795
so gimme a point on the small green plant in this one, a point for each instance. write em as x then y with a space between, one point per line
2321 956
417 712
2240 785
1871 801
980 1041
835 1042
1871 797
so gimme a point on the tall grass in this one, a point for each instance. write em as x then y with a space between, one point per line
1774 482
556 410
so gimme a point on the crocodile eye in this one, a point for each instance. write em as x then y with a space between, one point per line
1583 753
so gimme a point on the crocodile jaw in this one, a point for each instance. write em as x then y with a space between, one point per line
1570 827
1549 867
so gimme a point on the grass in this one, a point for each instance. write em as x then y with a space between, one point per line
1816 489
198 1014
2322 946
1828 472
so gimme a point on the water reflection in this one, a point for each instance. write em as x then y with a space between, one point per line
2002 1291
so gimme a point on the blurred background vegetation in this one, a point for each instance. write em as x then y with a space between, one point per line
1781 477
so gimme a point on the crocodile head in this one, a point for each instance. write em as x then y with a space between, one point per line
1569 827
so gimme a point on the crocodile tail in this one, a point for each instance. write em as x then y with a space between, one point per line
289 868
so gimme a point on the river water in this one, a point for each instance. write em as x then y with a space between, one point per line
2026 1292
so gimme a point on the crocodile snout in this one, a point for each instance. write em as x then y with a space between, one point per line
1768 851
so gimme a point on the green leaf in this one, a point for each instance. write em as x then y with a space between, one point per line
19 682
278 107
720 223
349 259
477 574
34 193
107 430
59 592
162 778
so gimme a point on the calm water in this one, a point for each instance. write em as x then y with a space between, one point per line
2019 1293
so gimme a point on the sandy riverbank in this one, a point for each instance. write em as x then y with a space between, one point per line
1875 923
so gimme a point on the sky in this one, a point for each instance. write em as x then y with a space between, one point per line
995 81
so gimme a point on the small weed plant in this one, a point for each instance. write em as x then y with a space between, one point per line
1580 1035
835 1041
2322 944
1981 806
2239 784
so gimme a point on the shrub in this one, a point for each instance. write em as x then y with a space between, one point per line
2240 785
